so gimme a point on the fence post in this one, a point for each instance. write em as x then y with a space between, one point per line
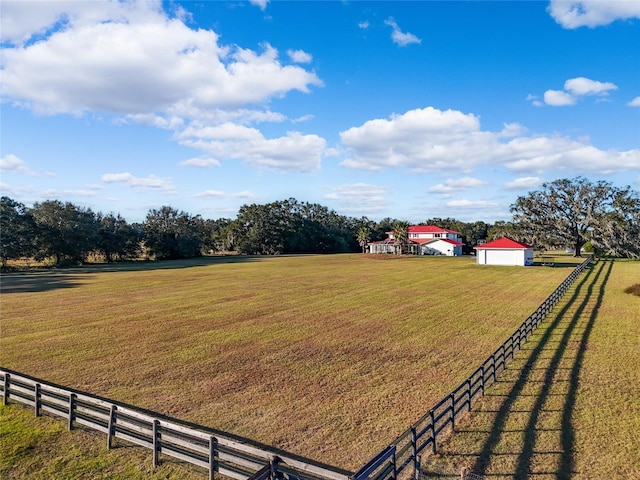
273 463
156 446
112 425
5 393
414 453
469 393
36 399
482 379
433 430
72 406
452 400
213 464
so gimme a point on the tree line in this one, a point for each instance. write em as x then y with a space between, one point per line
562 213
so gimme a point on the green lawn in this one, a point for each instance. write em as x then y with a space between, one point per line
330 357
568 407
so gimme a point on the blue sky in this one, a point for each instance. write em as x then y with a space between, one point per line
409 110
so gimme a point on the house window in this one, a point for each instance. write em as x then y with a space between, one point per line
437 235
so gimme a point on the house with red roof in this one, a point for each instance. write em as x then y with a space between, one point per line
504 251
423 240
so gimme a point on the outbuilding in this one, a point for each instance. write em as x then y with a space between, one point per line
504 251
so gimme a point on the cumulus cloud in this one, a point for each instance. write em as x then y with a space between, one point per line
523 183
361 197
592 13
299 56
558 98
150 182
457 185
430 140
127 47
574 88
13 163
294 151
200 162
398 36
470 204
585 86
262 4
364 24
220 195
634 103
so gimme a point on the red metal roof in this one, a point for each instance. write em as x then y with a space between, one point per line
504 242
427 229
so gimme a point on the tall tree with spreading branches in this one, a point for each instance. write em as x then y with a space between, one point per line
572 212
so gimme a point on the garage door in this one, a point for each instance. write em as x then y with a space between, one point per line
502 257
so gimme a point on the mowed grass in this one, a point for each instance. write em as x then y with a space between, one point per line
329 357
569 405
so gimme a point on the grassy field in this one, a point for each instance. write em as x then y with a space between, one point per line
569 405
329 357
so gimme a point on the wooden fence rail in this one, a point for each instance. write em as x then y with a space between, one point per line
242 459
233 457
405 450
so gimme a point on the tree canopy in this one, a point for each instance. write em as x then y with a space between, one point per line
572 212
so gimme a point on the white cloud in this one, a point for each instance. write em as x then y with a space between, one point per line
219 195
299 56
634 103
574 88
359 197
129 47
294 151
260 3
458 185
13 163
585 86
303 118
430 140
398 36
523 183
200 162
151 182
558 98
592 13
470 204
364 24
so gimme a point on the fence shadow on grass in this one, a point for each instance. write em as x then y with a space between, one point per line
525 428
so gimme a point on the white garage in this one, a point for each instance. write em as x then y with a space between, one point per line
504 251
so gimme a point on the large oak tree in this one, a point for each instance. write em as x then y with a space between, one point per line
572 212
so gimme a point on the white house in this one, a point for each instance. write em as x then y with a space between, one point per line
504 251
423 240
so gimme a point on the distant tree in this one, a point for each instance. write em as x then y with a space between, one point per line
400 235
171 234
618 231
363 237
215 235
502 229
572 212
117 240
64 231
17 231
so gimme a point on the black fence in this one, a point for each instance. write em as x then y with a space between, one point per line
422 436
228 455
243 459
